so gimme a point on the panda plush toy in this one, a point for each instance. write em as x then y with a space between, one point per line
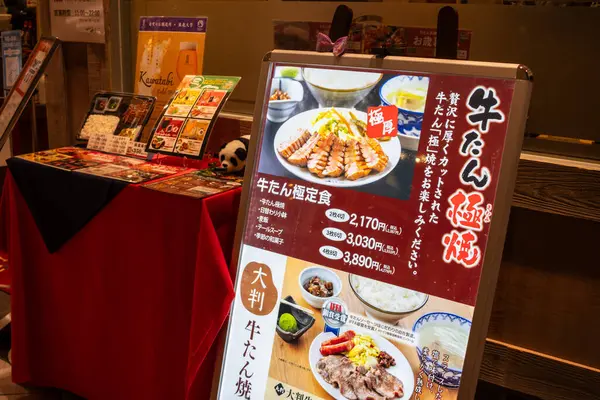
233 154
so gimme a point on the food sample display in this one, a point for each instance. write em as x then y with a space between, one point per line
365 226
120 114
184 126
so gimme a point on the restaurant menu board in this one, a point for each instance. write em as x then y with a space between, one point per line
92 162
194 184
185 124
368 215
26 83
363 37
169 48
119 114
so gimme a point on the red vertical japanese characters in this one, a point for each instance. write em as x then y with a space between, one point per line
467 212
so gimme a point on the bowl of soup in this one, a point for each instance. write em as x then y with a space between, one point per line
442 346
339 88
409 94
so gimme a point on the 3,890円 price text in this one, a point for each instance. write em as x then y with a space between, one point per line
360 260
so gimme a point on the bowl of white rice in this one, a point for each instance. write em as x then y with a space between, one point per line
385 302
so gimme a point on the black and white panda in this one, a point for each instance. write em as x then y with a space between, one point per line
233 154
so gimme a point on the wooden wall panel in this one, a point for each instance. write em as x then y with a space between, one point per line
559 185
536 374
548 293
77 92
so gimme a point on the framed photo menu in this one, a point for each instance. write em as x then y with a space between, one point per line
25 85
186 121
373 221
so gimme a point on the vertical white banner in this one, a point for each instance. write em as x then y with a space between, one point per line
253 324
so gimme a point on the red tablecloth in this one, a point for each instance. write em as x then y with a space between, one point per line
130 306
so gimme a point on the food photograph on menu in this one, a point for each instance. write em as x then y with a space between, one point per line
185 124
389 333
317 128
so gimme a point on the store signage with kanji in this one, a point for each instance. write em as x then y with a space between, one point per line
370 205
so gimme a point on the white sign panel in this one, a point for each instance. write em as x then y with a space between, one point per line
77 20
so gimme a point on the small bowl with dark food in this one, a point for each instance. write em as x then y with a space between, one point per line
284 97
292 322
318 284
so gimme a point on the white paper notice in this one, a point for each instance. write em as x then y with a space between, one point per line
137 149
109 143
77 21
254 316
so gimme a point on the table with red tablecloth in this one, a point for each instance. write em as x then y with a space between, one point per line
131 305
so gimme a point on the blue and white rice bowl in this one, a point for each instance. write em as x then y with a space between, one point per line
453 330
281 110
409 121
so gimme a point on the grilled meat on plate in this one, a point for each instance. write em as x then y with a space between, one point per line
287 148
359 383
300 156
373 154
384 383
354 163
335 162
317 161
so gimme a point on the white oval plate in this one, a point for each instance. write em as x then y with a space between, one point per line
303 120
401 370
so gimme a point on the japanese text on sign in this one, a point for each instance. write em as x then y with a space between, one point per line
466 209
441 135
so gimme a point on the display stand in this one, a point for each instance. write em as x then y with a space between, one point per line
418 203
26 83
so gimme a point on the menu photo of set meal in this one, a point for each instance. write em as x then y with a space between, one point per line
331 334
316 129
185 125
404 344
118 114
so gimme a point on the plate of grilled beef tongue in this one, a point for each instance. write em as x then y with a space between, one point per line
360 365
330 146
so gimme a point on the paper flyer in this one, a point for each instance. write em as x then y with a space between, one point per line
12 54
77 20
